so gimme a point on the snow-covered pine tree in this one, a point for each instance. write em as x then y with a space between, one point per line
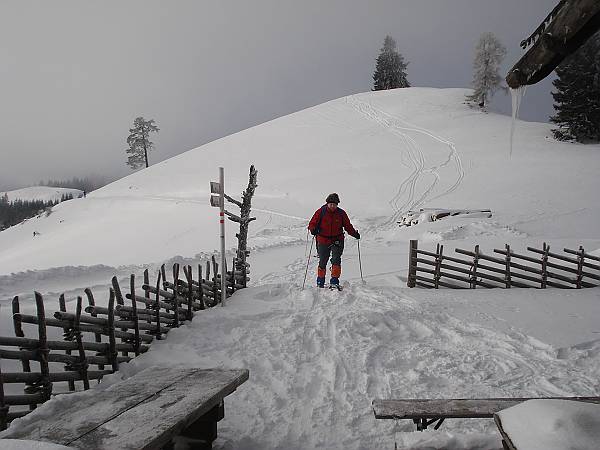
390 70
139 142
489 54
577 96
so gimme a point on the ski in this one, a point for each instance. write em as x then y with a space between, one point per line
333 287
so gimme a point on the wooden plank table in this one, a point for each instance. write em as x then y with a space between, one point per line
143 412
425 412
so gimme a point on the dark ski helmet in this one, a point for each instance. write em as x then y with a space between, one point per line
333 198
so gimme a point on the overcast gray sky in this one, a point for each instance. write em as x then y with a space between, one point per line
74 74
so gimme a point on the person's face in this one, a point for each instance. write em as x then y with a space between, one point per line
332 206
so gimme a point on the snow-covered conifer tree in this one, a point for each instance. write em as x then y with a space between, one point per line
390 70
139 142
577 95
489 54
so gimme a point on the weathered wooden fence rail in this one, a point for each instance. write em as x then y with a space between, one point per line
96 339
575 269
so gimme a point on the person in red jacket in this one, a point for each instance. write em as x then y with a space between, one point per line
328 224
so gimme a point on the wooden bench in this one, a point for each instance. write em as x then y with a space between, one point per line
425 412
145 411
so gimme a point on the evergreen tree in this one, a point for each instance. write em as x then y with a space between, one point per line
489 54
577 96
390 70
139 142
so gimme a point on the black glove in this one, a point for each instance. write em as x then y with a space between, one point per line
357 235
314 232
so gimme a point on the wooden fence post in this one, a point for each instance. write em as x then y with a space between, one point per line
120 301
67 336
546 249
580 261
438 265
18 327
507 276
217 297
175 294
473 282
82 364
157 306
3 407
187 272
412 264
97 336
112 344
201 284
147 295
134 316
44 386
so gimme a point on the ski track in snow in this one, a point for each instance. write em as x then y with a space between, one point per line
407 198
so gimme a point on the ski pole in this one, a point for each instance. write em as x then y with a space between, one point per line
306 245
360 263
308 261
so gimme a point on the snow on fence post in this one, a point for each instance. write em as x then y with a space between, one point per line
187 270
44 385
507 277
62 306
438 265
473 278
412 264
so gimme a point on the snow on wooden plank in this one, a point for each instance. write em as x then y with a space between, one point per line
450 408
146 408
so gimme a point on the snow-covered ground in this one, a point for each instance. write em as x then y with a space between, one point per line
318 358
40 193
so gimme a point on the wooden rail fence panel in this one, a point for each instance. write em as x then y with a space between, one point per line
432 269
90 333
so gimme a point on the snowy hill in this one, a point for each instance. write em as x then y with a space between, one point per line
40 193
316 358
384 153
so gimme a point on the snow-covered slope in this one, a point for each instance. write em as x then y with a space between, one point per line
40 193
383 152
317 359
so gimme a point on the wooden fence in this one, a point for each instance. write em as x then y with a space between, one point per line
575 269
96 339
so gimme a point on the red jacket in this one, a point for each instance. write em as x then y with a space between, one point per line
332 226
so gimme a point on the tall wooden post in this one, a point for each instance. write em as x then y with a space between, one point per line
438 265
474 268
546 249
412 264
222 222
507 276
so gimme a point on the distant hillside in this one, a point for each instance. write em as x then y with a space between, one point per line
41 193
21 204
